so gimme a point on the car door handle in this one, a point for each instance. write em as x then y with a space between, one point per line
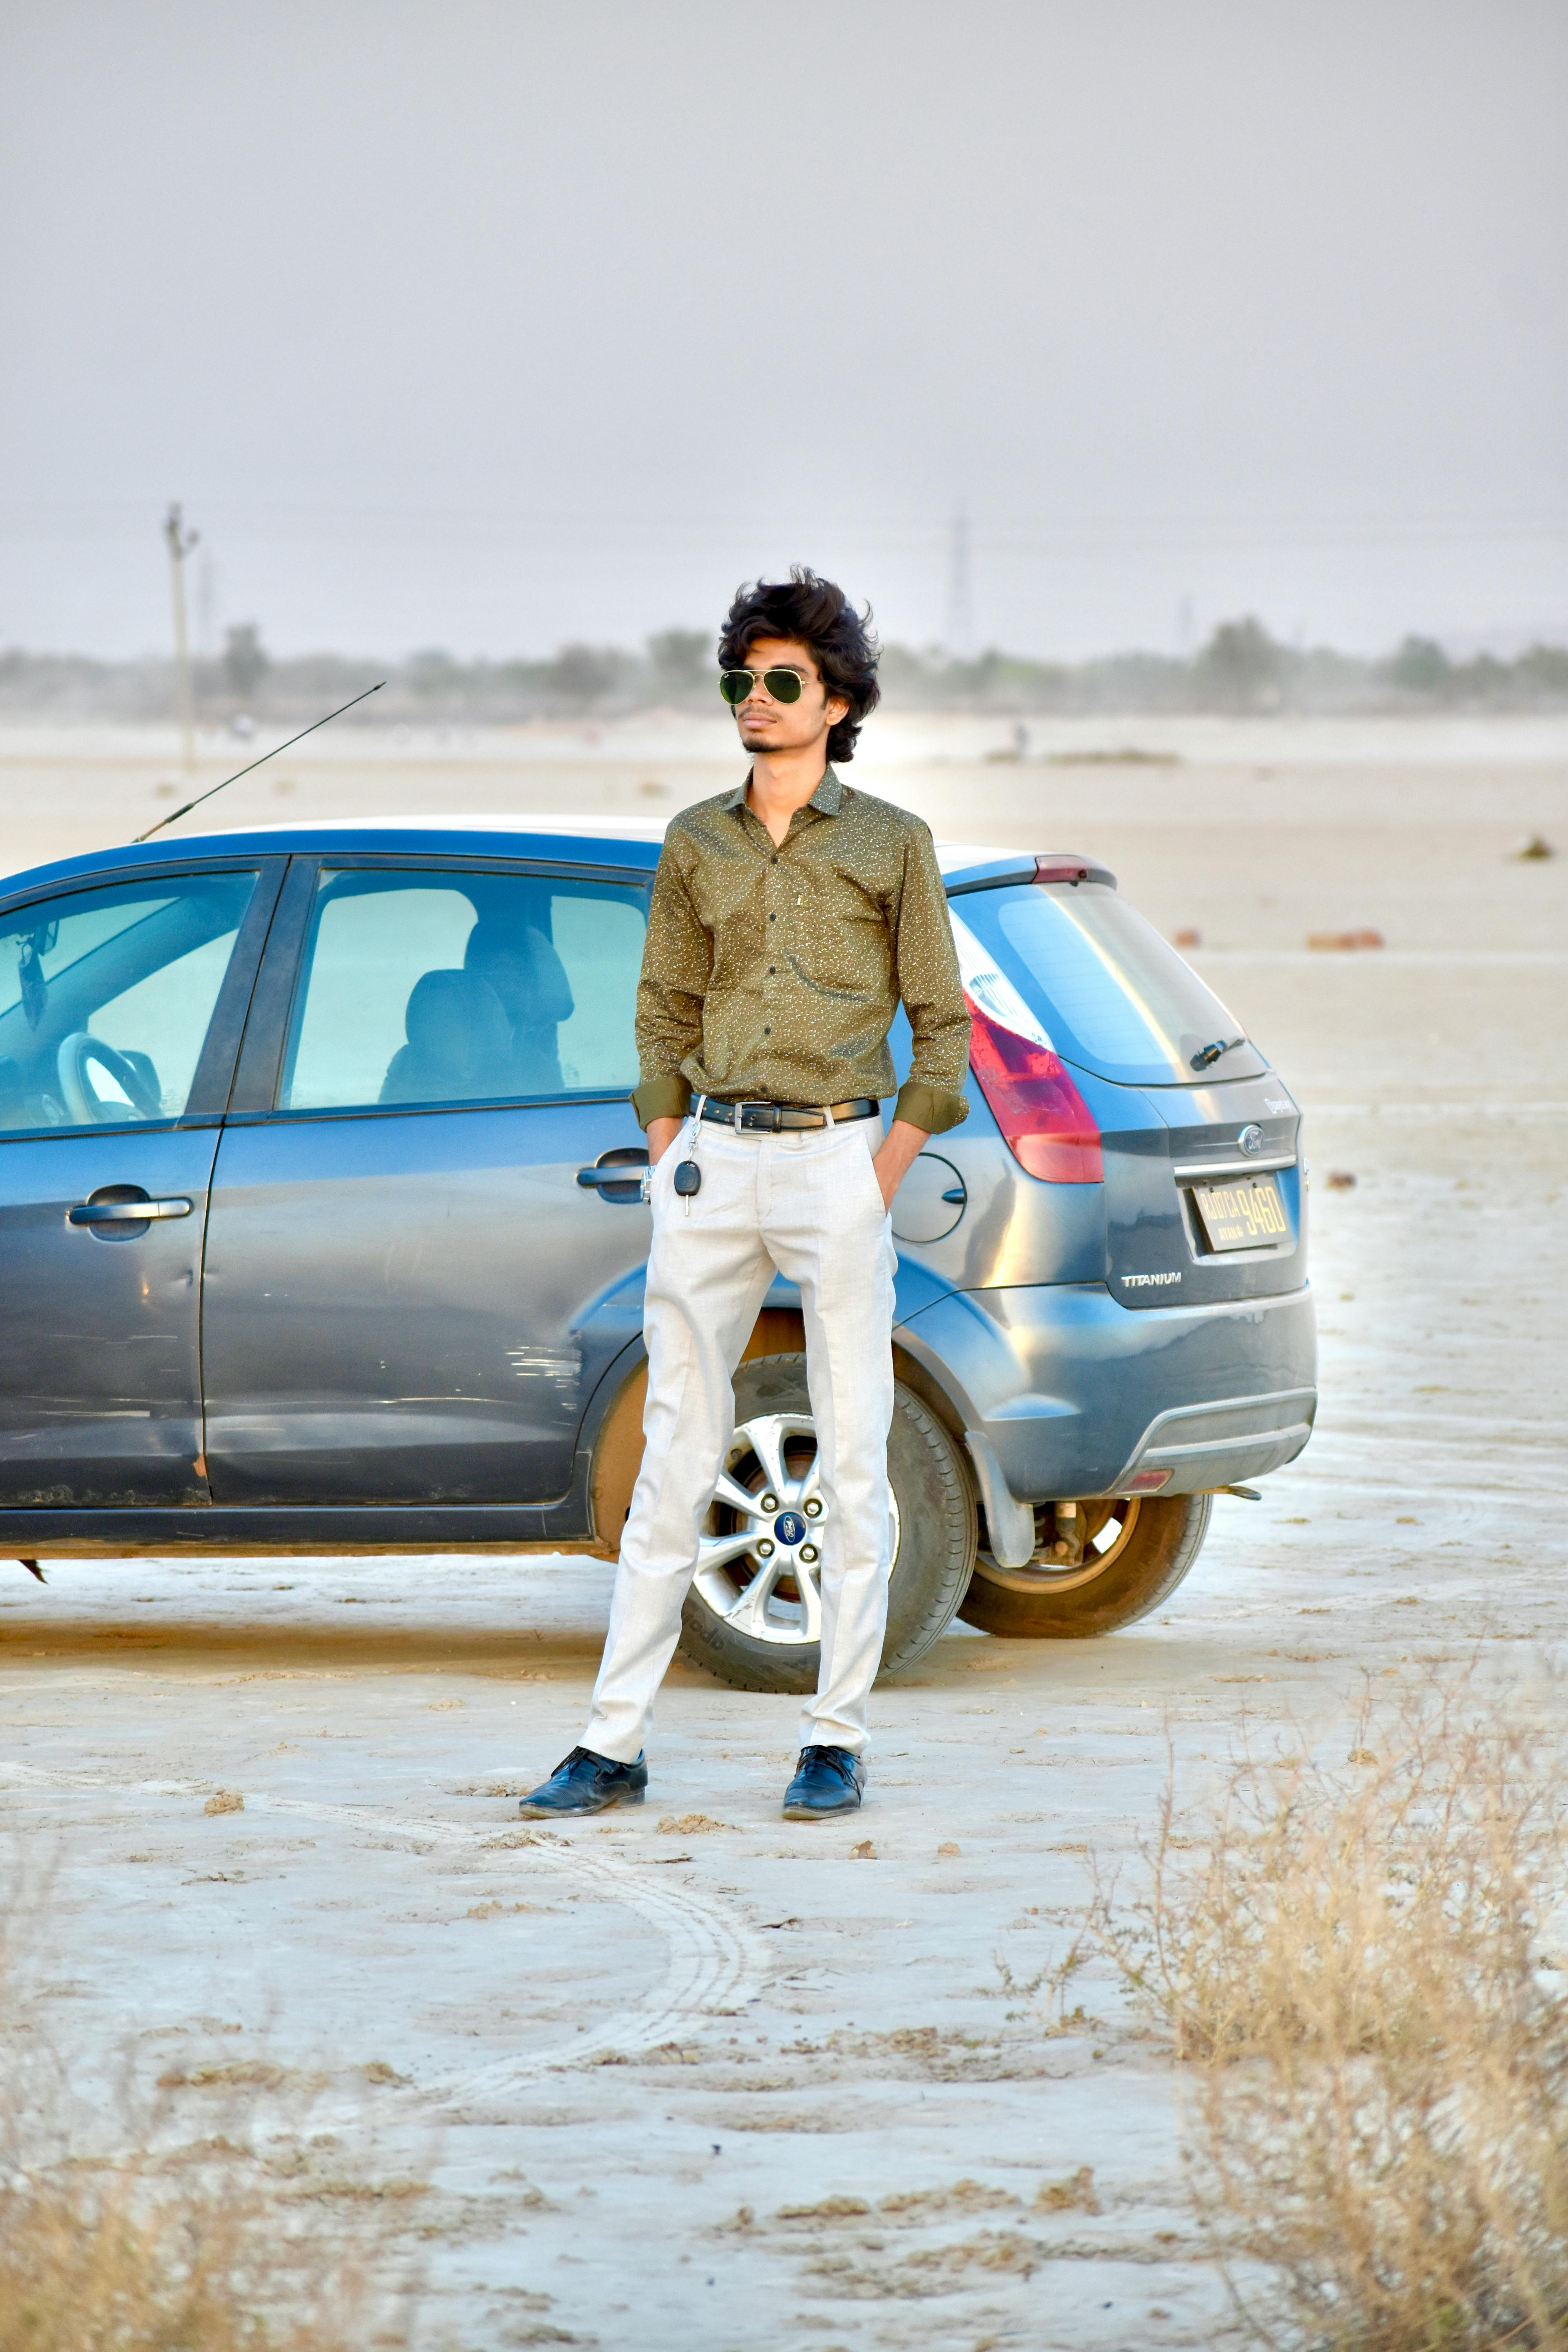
125 1213
620 1177
621 1171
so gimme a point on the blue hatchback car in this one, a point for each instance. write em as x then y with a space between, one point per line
321 1227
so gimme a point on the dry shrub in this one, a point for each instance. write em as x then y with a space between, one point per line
1348 1955
127 2262
160 2245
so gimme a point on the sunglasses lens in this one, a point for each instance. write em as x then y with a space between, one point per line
734 684
784 685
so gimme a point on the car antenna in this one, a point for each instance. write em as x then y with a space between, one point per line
200 797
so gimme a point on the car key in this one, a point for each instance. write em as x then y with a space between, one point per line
687 1175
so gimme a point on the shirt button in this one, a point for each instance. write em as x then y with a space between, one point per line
776 861
772 918
772 969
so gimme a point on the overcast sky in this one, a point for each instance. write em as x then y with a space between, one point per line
489 323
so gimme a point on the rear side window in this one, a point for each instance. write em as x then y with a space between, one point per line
1108 992
452 986
106 998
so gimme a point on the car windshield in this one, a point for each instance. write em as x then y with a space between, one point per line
1109 991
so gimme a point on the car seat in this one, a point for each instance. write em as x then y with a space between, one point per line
528 976
459 1041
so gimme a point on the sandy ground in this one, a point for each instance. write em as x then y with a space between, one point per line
697 2077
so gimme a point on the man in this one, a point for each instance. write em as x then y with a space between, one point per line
788 919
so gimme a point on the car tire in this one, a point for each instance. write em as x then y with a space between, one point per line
1146 1546
936 1525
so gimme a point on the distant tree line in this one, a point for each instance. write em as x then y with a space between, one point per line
1242 669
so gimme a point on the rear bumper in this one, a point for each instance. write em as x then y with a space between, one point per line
1075 1395
1205 1445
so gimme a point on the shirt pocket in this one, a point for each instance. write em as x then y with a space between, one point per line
842 951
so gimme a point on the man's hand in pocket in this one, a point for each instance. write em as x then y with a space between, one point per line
901 1146
661 1134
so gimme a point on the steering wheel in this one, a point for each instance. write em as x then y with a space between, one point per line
84 1107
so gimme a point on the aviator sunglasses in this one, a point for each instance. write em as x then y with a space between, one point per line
784 685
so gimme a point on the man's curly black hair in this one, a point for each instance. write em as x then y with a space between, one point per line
817 615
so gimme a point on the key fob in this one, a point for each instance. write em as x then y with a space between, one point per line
687 1179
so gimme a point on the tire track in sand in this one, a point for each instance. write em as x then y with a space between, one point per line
713 1965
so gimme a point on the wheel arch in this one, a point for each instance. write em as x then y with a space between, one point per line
615 1438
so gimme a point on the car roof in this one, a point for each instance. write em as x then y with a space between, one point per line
627 841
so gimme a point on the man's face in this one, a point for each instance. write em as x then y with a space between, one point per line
768 726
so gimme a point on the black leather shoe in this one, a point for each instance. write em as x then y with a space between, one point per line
585 1783
827 1780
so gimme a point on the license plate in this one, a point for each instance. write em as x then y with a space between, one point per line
1248 1216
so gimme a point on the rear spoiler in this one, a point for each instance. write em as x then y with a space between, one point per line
1046 866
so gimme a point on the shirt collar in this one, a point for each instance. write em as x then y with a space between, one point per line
827 799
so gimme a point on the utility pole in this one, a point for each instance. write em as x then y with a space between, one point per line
181 542
960 592
207 603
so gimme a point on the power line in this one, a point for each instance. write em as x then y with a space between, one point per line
473 527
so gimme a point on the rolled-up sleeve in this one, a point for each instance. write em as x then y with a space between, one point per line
927 979
677 959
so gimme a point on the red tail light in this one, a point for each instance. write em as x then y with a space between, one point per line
1046 1121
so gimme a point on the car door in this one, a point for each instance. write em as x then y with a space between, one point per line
402 1264
121 1003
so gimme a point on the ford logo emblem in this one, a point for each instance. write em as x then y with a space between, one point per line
789 1527
1250 1139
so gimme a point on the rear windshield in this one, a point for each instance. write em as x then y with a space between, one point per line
1111 994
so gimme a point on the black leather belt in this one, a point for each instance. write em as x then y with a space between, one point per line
768 1117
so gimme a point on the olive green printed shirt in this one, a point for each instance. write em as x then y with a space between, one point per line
772 975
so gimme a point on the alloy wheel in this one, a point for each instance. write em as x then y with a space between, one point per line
759 1565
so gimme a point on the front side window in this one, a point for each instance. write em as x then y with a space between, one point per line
106 998
451 986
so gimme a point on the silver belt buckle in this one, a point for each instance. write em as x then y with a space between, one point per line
753 1103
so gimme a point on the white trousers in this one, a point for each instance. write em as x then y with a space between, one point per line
807 1203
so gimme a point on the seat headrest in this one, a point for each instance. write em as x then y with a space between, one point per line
523 968
457 1017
